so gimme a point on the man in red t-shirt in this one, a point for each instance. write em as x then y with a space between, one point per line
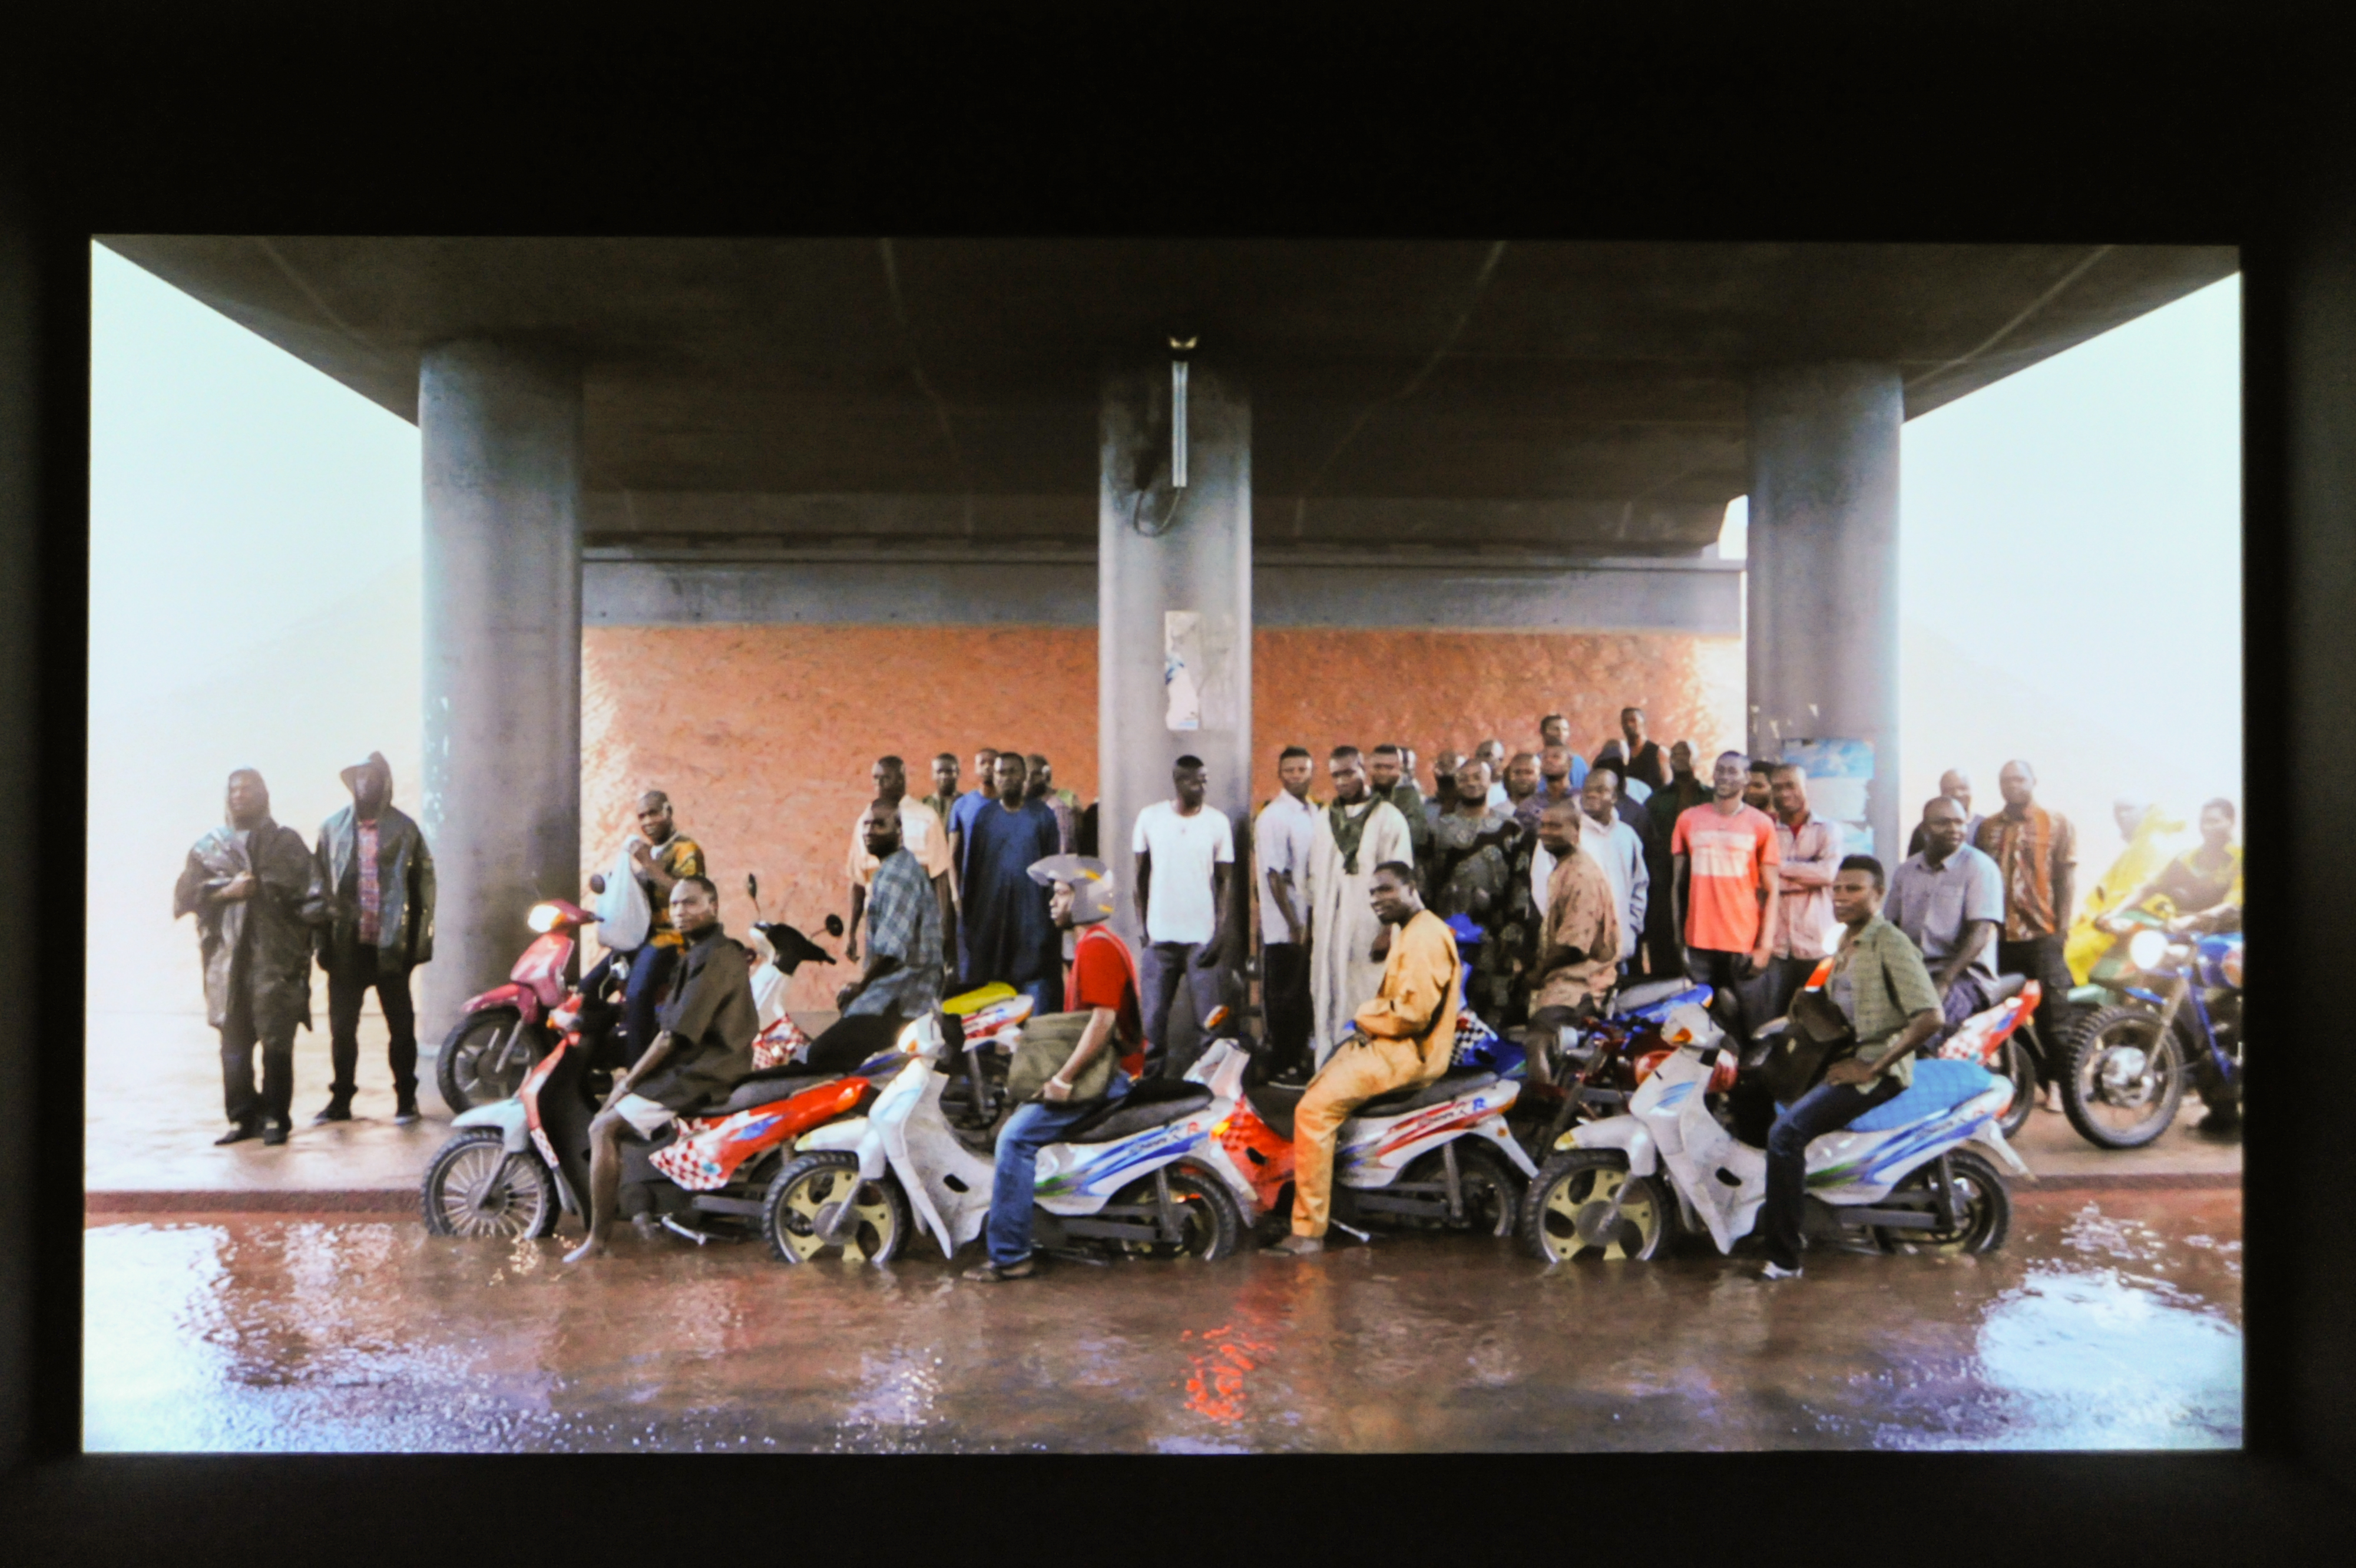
1724 855
1103 985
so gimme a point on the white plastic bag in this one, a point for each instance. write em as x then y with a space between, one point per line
623 916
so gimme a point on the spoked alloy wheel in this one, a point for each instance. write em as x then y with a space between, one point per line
2126 1080
1986 1206
1568 1211
1210 1226
804 1198
1493 1193
484 1060
475 1186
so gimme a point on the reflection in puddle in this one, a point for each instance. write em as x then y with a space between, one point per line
2102 1360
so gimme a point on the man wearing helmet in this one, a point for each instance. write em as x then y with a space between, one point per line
1100 1005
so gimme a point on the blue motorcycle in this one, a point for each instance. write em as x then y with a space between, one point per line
2178 1018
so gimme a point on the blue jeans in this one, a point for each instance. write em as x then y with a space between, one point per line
1826 1108
650 968
1032 1128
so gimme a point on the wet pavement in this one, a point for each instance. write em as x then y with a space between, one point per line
2110 1320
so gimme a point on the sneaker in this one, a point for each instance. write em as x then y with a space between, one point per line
1775 1271
990 1273
274 1134
405 1113
238 1132
1300 1246
339 1110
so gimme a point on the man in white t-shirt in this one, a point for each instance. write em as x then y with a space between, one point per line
1282 837
1185 852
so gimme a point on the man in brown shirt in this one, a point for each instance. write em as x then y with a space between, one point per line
2036 852
706 1049
1578 960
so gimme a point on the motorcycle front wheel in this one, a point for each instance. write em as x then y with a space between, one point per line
484 1059
1567 1213
1987 1205
476 1186
2124 1080
803 1197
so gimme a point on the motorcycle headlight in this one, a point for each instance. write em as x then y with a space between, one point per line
2145 949
544 917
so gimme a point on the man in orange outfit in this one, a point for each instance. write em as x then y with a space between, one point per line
1399 1040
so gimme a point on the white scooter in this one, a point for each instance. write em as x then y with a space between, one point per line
1899 1178
1439 1156
1129 1180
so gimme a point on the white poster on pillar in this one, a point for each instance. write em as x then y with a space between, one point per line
1840 777
1198 670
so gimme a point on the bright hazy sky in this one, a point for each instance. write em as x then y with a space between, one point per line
2071 587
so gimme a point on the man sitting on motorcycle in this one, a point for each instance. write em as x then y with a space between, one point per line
1883 989
1399 1040
1100 997
704 1049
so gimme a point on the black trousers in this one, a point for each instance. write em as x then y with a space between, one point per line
1782 982
238 1038
2040 958
1734 988
348 984
1284 992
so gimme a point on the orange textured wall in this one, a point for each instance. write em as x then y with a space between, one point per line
764 735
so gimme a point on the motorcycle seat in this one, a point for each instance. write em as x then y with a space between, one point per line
1632 998
758 1090
1274 1104
2004 988
1444 1088
1151 1103
1939 1084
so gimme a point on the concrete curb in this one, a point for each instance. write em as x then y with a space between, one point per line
404 1199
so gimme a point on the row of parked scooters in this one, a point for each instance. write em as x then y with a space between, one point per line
868 1139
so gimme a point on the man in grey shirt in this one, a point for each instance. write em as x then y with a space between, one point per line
1949 899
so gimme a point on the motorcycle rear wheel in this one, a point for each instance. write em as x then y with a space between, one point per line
790 1211
2132 1114
2020 1071
1563 1210
461 1069
1987 1210
476 1186
1493 1193
1209 1222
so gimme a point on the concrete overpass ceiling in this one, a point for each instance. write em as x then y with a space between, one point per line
1568 396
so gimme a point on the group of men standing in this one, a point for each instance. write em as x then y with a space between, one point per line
361 900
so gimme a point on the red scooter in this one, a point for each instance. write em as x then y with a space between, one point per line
503 1031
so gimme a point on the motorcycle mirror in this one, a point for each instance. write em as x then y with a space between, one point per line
597 883
752 886
834 925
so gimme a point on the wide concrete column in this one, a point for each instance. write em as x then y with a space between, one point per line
502 440
1173 610
1822 643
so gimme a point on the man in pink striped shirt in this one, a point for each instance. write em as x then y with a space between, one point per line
1811 852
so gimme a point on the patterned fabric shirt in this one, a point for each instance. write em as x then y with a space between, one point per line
371 896
1881 981
1581 914
679 855
2031 853
904 922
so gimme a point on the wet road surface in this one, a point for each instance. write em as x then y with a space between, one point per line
2108 1321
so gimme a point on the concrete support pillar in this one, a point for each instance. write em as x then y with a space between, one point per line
1823 590
501 433
1173 607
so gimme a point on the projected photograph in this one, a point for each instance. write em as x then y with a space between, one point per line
949 845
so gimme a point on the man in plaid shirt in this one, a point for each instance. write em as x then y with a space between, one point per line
903 973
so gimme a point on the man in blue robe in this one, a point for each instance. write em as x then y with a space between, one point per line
1006 933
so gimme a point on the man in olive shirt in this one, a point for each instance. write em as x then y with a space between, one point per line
1883 989
706 1049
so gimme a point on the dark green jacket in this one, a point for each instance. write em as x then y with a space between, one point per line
270 930
404 871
